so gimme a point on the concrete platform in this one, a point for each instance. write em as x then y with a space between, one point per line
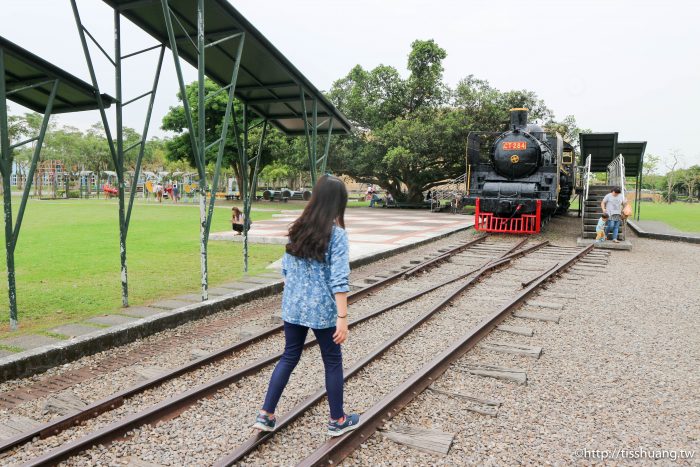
606 245
29 341
370 231
111 320
73 330
662 231
140 311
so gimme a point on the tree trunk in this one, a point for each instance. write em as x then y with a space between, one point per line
415 193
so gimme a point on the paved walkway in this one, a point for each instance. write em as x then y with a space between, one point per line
371 232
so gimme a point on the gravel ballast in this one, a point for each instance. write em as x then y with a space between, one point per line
216 425
619 372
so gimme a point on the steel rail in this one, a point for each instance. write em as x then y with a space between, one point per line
116 400
336 449
426 264
417 268
255 440
530 281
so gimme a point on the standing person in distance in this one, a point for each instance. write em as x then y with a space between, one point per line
316 269
612 205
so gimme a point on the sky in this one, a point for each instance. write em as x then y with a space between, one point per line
631 66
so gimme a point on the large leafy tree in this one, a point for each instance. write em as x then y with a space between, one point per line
412 132
401 125
276 146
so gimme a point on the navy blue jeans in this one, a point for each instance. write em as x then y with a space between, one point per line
614 227
295 336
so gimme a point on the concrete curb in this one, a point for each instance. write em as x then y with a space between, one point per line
661 236
40 359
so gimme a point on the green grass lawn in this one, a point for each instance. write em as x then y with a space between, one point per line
682 216
67 258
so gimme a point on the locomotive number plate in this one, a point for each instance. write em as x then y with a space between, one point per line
514 145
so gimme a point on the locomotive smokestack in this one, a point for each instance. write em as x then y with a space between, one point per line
518 118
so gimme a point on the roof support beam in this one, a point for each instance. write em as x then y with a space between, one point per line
116 140
275 100
260 87
136 4
6 160
298 115
29 84
197 133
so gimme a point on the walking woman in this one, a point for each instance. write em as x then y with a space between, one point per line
316 269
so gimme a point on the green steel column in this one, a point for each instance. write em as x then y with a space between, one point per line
314 145
181 83
120 155
251 193
6 166
244 189
201 144
309 153
245 168
224 133
144 134
638 195
324 161
254 184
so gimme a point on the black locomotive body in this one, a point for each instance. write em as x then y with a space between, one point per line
527 178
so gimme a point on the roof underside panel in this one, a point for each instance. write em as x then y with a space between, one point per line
24 69
601 148
267 81
633 152
604 147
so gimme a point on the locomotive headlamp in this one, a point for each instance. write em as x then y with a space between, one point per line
514 158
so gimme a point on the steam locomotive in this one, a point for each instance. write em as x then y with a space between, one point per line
527 178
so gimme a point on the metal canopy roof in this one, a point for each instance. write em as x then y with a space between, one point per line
267 81
633 152
604 147
24 69
601 148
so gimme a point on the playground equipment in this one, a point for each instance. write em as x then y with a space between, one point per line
109 190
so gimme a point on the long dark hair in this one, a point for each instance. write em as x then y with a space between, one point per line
310 233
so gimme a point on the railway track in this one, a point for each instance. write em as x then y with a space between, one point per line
94 410
52 384
335 450
482 262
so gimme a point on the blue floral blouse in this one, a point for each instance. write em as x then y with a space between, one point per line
310 285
